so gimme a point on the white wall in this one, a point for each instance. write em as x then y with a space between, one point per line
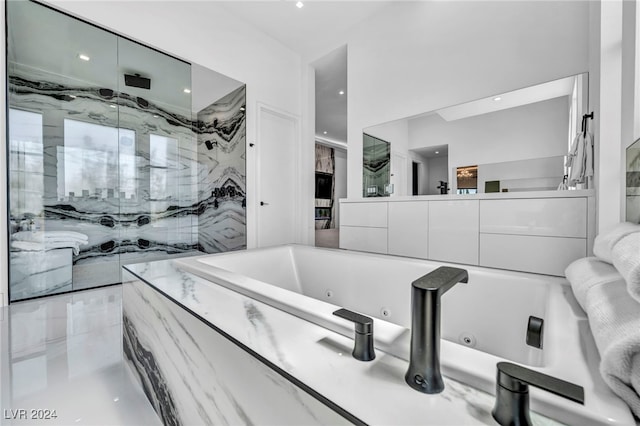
215 39
531 131
340 180
414 57
609 168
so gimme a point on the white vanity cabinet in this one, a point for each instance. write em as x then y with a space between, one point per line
409 228
539 232
541 235
363 226
453 231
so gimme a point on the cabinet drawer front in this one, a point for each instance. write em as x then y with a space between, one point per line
408 228
453 231
542 255
364 214
373 240
536 216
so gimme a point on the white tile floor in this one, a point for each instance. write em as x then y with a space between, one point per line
64 353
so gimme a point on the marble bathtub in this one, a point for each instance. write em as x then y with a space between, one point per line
479 327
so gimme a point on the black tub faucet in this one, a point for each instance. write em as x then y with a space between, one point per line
424 362
512 392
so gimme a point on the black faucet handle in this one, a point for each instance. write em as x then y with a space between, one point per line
441 279
516 378
363 348
364 324
512 392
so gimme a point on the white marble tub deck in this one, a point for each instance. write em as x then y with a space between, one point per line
374 392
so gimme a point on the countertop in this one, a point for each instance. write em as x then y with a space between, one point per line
375 392
483 196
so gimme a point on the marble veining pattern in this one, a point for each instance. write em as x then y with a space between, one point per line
221 130
124 219
193 375
374 392
202 200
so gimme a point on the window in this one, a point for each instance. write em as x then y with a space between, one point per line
164 167
96 162
26 166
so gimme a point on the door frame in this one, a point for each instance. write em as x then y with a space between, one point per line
263 108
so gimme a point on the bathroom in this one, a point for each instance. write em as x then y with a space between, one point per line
404 59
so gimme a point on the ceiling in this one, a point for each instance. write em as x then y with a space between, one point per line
432 151
312 31
528 95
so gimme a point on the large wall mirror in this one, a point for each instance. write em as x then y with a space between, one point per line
633 182
118 153
514 141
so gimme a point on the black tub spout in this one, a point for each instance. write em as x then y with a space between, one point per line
424 363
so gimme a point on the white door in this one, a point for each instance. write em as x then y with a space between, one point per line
277 183
399 174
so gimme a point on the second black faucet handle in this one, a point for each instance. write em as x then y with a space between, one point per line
363 348
512 392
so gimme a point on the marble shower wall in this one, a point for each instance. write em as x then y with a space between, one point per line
221 129
109 164
124 218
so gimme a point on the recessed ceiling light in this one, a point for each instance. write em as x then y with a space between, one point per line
112 106
341 92
497 98
299 4
241 108
155 116
437 152
72 96
83 57
187 90
324 133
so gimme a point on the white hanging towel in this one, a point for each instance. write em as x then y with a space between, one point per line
580 158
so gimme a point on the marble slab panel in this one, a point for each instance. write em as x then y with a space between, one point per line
221 131
193 375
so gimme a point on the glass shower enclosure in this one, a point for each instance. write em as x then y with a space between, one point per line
104 153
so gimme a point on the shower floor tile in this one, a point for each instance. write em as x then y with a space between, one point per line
64 353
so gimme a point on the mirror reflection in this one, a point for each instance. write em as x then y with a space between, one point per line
633 182
517 141
376 167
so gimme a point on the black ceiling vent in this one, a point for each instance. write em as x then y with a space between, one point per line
137 81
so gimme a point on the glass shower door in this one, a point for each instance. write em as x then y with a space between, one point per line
61 123
102 154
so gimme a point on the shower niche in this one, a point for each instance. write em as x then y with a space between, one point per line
117 153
